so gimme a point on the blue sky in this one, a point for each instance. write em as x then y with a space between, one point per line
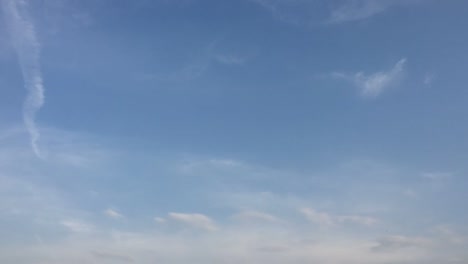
237 131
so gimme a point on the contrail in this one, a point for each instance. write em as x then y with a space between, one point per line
27 47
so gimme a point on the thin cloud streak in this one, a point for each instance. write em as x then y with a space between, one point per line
325 219
298 12
27 47
199 221
256 216
113 214
373 85
357 10
77 226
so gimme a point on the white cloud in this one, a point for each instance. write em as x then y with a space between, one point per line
27 47
298 12
256 216
77 226
325 219
372 85
160 220
113 213
358 10
233 246
320 218
28 200
23 189
232 243
199 221
392 243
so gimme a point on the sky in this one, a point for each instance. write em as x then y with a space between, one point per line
234 131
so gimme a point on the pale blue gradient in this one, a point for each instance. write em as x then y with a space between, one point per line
241 125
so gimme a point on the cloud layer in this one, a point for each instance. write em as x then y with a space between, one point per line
249 227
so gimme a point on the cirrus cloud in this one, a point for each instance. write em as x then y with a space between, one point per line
195 220
374 84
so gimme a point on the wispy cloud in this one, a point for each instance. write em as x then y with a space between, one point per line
206 58
396 242
27 46
77 226
199 221
320 218
233 242
299 12
355 10
197 166
160 220
256 216
373 85
358 10
238 246
282 10
113 214
429 79
326 219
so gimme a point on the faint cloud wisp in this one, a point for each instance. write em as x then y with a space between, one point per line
357 10
373 85
113 214
300 12
325 219
27 48
199 221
